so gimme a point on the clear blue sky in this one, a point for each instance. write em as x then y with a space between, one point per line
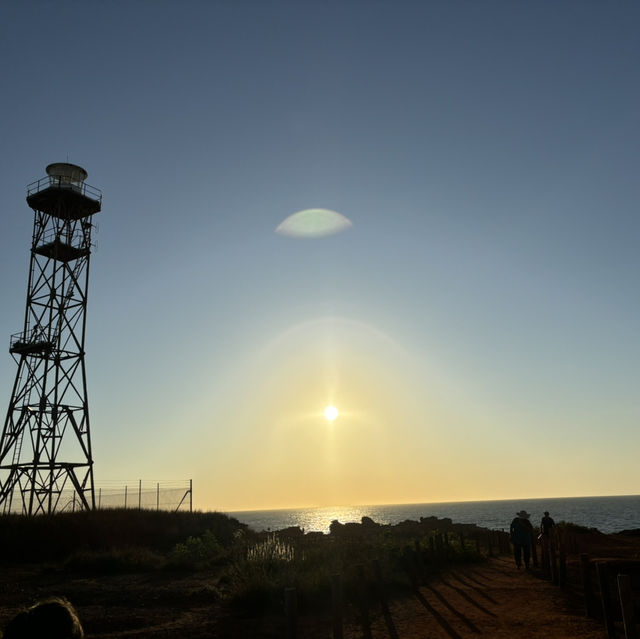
477 326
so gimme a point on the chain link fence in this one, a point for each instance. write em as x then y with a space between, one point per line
139 494
145 494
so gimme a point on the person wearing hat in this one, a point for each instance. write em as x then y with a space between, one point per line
521 534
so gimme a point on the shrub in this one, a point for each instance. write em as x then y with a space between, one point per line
114 561
256 579
197 552
49 537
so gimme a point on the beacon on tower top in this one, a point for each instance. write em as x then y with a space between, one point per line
64 192
67 172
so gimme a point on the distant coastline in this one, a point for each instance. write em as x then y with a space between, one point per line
607 514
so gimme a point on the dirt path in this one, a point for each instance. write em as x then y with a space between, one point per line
490 599
495 600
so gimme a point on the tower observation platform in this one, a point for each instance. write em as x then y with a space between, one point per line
63 193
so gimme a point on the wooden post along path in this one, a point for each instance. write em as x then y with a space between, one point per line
291 612
337 606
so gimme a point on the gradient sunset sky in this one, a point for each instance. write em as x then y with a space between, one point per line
478 325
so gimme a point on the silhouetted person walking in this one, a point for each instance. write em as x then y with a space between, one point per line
532 536
521 533
547 526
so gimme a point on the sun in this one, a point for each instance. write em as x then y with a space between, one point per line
331 413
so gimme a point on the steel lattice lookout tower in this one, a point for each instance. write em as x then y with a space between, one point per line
45 452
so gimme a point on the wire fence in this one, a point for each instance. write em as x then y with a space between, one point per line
145 494
133 494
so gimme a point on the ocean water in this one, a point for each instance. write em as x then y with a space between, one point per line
607 514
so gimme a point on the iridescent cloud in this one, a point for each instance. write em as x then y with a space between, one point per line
314 223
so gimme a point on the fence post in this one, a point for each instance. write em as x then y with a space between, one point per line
377 573
419 560
362 601
139 494
291 612
553 558
587 587
336 605
191 495
393 633
562 570
626 603
439 546
410 566
544 555
158 496
605 595
125 497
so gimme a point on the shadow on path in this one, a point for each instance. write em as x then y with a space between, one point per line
456 612
437 616
465 596
481 592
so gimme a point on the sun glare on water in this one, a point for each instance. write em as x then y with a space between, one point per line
331 413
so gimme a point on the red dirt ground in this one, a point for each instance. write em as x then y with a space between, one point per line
495 600
491 599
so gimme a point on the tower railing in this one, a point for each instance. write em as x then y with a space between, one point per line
77 239
52 181
31 341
